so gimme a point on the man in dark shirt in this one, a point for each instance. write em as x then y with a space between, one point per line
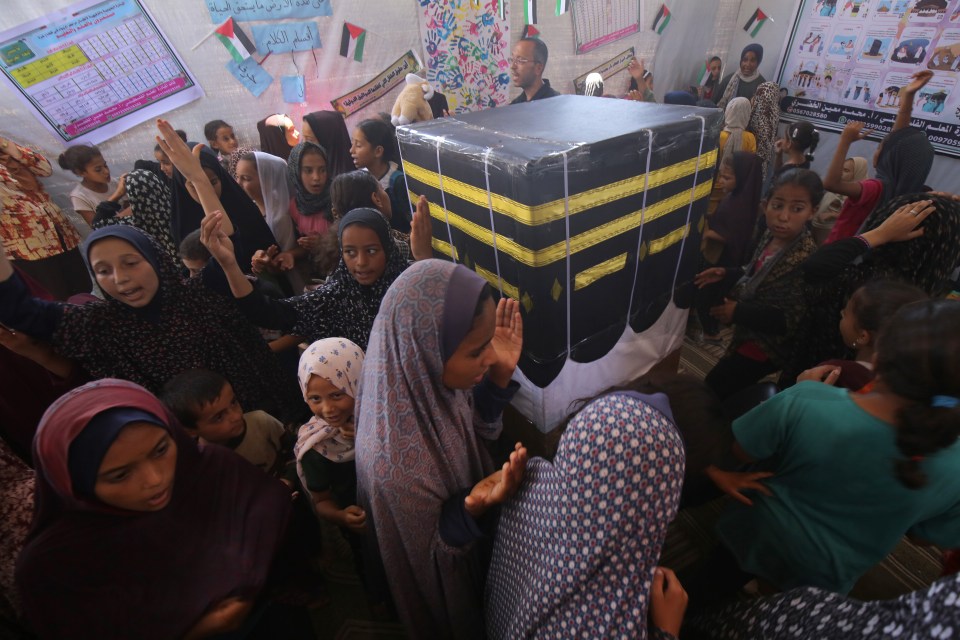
526 70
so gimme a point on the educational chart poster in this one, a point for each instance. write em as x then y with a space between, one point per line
847 60
95 69
467 46
599 22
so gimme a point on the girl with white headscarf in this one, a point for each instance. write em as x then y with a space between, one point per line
264 178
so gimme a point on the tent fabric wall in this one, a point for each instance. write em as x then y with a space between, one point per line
393 27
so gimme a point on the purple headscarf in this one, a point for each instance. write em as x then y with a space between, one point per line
418 444
577 546
90 570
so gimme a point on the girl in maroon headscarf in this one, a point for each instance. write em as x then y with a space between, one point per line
139 533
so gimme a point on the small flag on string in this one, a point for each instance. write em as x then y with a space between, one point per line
530 31
351 42
235 40
662 20
529 11
562 7
756 22
502 9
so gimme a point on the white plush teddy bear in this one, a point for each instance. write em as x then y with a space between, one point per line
411 105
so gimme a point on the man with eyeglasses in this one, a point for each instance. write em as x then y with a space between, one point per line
526 70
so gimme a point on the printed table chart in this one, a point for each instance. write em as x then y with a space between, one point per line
92 71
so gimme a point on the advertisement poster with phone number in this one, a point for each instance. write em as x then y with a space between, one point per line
95 69
848 60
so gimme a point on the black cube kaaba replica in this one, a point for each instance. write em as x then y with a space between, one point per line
586 210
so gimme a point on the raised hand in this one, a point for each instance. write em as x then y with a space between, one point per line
917 81
636 69
216 241
421 231
853 131
507 341
499 486
186 161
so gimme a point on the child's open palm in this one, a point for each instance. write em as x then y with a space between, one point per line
500 485
507 341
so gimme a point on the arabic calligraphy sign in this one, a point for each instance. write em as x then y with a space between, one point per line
379 86
245 10
849 60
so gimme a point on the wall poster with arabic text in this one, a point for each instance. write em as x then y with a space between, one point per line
94 69
847 60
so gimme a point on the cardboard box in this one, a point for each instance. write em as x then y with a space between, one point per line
586 210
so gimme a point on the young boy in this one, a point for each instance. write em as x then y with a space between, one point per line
220 137
206 406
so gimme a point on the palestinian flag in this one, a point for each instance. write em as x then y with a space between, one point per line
530 31
235 40
502 9
351 41
755 22
529 11
704 74
662 20
562 7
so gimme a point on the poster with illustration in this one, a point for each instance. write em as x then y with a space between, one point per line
855 9
872 49
890 9
862 88
946 52
876 44
825 8
913 46
928 11
888 98
814 41
933 98
844 42
835 82
807 79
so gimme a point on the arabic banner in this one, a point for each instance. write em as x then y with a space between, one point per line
94 69
848 61
613 66
245 10
379 86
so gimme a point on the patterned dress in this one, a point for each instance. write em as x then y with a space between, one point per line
32 226
814 613
577 546
149 198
